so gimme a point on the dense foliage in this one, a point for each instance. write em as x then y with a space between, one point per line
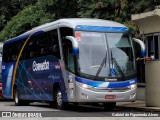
9 8
18 16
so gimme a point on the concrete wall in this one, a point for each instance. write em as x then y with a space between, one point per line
152 70
147 22
149 25
141 93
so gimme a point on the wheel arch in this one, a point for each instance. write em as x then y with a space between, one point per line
56 86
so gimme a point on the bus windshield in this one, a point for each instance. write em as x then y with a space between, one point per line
106 54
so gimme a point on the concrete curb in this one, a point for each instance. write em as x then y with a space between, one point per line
138 105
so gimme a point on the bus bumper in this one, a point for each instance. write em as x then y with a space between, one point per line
86 95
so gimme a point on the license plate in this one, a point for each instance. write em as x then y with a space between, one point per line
110 97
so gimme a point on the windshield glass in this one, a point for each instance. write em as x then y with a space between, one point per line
92 51
121 52
105 54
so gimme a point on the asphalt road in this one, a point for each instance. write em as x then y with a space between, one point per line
38 111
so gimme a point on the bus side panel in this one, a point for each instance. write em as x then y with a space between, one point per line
35 78
7 74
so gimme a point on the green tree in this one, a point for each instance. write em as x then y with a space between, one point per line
9 8
20 15
41 12
116 10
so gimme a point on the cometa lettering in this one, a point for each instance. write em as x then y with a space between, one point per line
40 66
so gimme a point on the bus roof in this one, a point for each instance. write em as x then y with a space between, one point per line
88 24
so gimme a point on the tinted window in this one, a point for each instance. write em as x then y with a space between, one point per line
11 51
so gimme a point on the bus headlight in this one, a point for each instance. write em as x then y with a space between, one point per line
85 86
132 86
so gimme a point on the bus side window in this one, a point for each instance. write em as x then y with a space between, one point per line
14 57
43 44
67 48
11 51
68 55
54 48
6 52
20 47
30 50
70 60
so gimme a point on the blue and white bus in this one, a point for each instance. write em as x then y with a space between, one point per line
71 60
1 48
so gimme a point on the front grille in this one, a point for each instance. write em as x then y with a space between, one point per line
100 89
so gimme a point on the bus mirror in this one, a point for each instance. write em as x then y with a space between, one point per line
141 43
74 44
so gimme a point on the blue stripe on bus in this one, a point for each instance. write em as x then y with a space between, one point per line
75 51
143 52
117 84
21 37
101 28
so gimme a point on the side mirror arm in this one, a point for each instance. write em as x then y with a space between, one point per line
74 44
141 43
143 50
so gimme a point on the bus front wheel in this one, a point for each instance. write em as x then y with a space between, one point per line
59 101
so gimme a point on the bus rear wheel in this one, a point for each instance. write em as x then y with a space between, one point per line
109 106
59 101
17 101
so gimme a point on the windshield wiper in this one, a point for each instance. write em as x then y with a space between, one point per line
118 67
101 65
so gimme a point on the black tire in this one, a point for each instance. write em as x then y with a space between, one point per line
17 101
58 100
95 104
109 106
52 104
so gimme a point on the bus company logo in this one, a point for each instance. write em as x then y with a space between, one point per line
6 114
40 66
110 90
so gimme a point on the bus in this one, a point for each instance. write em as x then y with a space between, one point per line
1 48
73 60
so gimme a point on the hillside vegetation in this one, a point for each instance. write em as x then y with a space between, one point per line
18 16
